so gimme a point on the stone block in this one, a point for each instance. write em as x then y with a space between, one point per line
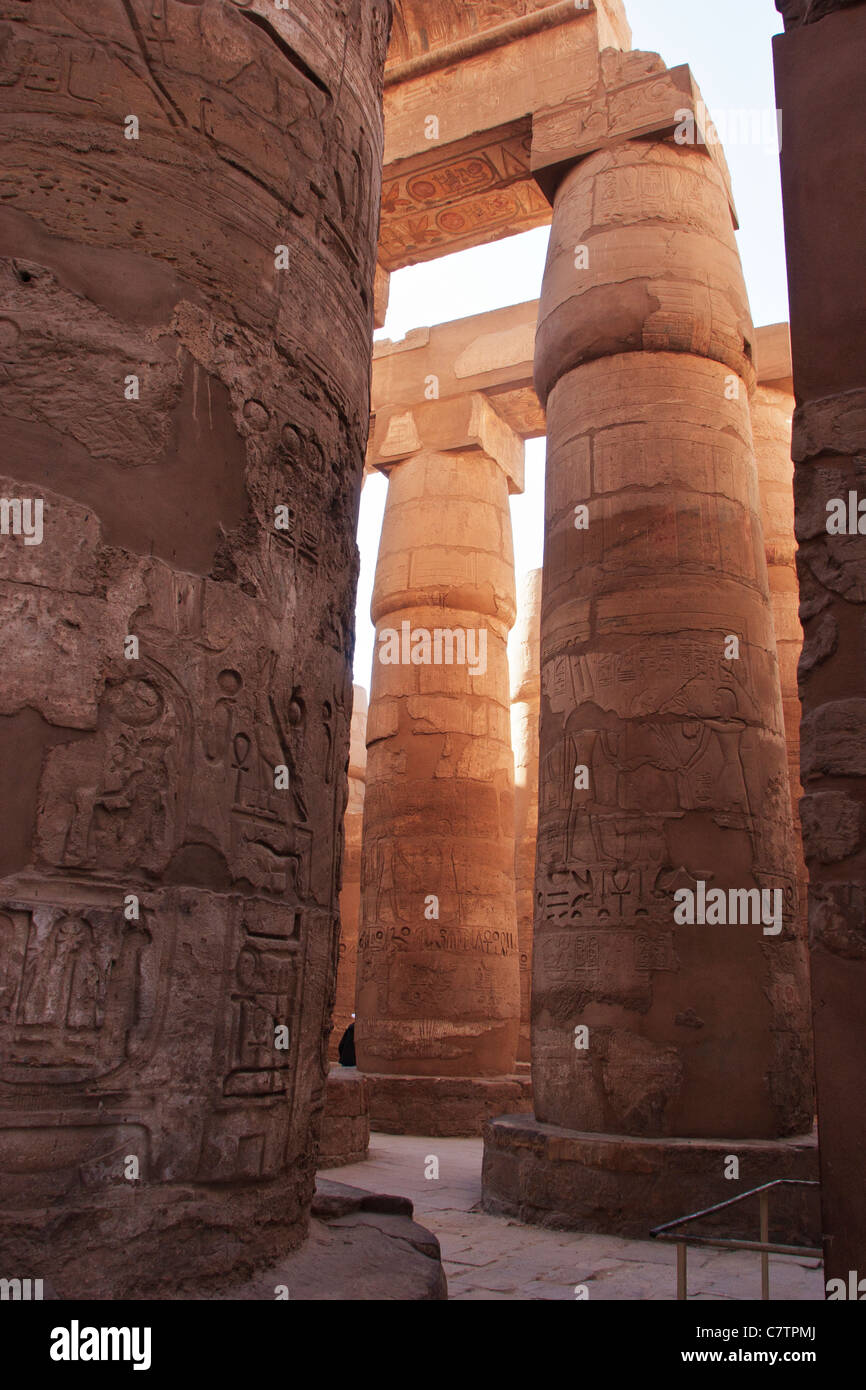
626 1186
446 1106
345 1126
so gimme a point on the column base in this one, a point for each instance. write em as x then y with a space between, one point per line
619 1185
445 1107
165 1240
345 1133
361 1246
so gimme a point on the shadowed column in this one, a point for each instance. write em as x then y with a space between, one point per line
820 89
190 199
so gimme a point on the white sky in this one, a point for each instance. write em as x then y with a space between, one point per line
730 53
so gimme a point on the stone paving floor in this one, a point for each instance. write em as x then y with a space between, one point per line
493 1257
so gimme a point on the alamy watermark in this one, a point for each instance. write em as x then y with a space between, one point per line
729 907
757 126
854 1291
77 1343
441 646
22 516
846 516
21 1290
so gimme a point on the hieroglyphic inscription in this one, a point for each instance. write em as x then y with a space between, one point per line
78 991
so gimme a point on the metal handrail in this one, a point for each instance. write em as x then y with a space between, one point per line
764 1245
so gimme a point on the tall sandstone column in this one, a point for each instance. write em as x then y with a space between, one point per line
772 411
190 196
438 980
525 702
820 89
350 893
658 1049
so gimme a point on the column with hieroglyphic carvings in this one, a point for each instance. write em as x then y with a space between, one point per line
437 994
657 1046
186 325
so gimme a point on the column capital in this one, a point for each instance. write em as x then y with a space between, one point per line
636 96
456 424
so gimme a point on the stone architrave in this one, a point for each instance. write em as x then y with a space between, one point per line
820 89
659 1046
525 704
190 203
488 354
438 973
461 84
350 893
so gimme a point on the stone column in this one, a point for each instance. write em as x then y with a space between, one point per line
189 221
438 979
350 893
525 702
819 86
659 1047
772 411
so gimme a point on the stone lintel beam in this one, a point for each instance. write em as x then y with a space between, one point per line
636 97
461 423
485 91
455 45
449 197
491 352
458 119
